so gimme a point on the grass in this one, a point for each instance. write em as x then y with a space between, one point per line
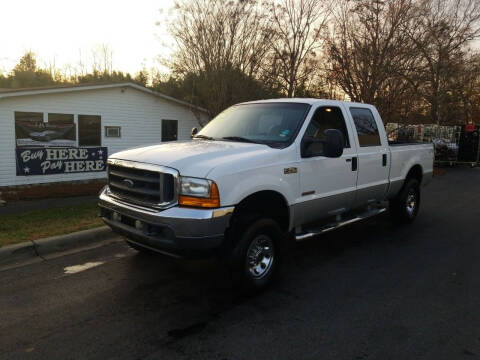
33 225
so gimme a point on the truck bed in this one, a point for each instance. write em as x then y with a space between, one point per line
403 157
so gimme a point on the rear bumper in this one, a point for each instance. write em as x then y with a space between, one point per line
179 232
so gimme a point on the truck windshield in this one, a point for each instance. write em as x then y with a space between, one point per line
273 124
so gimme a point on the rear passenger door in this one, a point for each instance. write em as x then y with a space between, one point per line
372 150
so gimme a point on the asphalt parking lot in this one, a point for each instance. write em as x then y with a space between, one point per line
369 291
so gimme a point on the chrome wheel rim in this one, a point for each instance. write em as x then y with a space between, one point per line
411 202
260 256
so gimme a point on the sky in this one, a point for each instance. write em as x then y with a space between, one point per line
62 32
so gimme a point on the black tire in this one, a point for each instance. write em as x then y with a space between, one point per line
405 206
256 249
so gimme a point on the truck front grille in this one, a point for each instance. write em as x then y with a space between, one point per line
142 184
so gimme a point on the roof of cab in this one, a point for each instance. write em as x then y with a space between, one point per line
310 101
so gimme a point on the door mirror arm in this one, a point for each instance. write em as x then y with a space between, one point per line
193 132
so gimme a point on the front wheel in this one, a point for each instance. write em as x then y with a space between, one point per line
404 207
256 253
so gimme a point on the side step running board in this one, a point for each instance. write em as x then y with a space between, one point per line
313 232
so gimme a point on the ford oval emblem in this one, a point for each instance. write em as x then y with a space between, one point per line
128 183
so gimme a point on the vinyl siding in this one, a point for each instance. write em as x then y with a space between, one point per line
138 113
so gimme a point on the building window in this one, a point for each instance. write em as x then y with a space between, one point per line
64 127
27 124
169 130
366 126
89 130
31 130
112 131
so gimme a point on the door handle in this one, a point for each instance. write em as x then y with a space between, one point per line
354 161
384 160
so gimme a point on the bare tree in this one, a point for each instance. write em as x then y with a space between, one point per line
102 59
213 34
442 36
297 26
470 91
460 102
404 56
370 54
220 48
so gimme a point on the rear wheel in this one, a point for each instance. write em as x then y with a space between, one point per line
256 251
404 207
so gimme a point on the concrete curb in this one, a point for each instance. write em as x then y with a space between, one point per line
17 253
52 246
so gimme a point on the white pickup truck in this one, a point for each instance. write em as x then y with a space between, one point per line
261 173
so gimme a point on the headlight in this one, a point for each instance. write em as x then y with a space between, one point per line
196 192
194 187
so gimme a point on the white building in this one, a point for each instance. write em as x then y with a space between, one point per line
80 124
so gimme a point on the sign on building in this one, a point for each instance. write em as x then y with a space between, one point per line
56 160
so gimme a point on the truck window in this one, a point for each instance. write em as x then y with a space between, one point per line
325 117
274 124
366 126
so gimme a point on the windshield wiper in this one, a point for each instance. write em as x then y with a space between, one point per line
239 138
203 137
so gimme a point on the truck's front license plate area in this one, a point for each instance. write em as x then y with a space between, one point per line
139 225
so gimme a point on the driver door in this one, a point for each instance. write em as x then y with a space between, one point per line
327 185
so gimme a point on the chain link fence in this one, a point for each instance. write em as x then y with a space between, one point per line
453 144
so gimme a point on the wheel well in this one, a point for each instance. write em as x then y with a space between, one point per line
269 203
415 173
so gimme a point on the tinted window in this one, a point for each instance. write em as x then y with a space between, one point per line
89 130
169 130
325 118
366 127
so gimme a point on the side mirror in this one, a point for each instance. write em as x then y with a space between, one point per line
193 132
334 143
305 147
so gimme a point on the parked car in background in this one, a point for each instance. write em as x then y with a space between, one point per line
260 173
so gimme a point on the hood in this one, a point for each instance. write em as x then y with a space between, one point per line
192 158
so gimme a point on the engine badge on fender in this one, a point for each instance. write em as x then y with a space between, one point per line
290 170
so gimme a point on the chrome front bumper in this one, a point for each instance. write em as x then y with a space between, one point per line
175 231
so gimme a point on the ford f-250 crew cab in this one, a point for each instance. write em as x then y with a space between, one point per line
261 173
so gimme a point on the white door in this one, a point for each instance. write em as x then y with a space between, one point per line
373 167
327 185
